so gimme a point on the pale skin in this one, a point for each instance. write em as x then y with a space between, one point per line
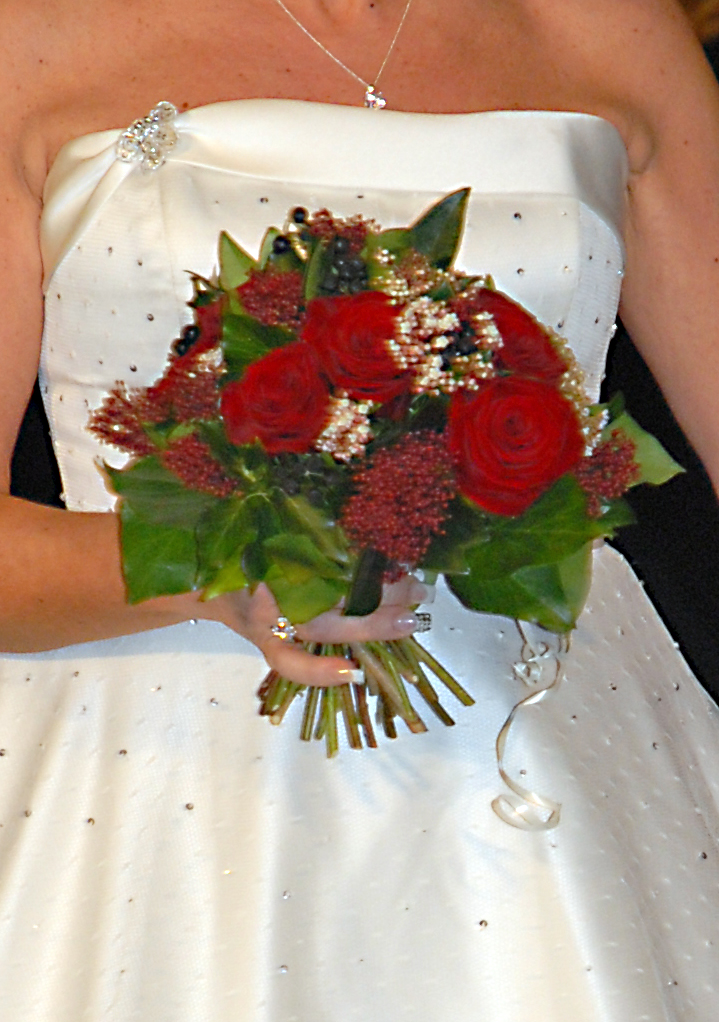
73 68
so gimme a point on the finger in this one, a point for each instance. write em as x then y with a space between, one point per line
288 658
292 661
387 622
408 591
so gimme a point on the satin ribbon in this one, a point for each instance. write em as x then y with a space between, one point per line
541 669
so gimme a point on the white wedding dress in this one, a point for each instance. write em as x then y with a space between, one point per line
168 856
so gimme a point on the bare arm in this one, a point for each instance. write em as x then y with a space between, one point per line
670 300
638 63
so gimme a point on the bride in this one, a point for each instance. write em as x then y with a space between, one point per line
164 854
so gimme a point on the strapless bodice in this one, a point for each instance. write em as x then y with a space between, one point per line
544 220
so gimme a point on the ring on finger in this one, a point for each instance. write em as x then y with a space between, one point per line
284 630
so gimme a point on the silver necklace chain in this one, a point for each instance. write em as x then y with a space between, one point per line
372 98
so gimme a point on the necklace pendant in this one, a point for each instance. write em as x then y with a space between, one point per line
374 100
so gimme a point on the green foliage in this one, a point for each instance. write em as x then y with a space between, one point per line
316 270
437 234
157 495
235 263
157 559
551 595
656 464
300 601
528 566
221 535
244 340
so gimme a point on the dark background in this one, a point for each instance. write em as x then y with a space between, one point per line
674 546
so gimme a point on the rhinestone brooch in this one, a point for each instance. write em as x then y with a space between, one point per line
149 140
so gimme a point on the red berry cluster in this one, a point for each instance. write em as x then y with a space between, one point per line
608 471
401 498
191 460
326 227
188 390
119 421
274 298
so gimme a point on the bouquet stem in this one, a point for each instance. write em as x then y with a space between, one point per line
389 668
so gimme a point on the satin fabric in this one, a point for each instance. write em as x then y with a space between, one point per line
165 854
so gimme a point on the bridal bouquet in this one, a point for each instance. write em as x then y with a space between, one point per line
348 408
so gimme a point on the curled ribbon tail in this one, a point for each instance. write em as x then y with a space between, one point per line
541 669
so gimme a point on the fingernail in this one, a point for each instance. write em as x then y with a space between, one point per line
351 675
406 622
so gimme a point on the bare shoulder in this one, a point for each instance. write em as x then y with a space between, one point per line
61 61
637 62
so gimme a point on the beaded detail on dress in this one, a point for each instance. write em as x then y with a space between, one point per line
149 140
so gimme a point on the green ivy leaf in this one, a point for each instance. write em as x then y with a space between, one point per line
229 579
157 559
656 464
301 601
157 495
300 559
553 527
262 515
235 263
266 247
551 595
213 433
244 340
222 535
617 514
303 518
534 566
438 232
465 526
395 240
316 270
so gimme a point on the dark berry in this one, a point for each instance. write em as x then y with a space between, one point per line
466 343
340 245
299 214
190 334
281 244
357 266
331 280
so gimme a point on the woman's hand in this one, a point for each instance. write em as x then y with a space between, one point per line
254 616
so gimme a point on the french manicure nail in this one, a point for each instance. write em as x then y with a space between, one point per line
406 622
351 675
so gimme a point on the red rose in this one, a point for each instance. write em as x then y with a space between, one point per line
512 439
350 334
527 349
282 401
